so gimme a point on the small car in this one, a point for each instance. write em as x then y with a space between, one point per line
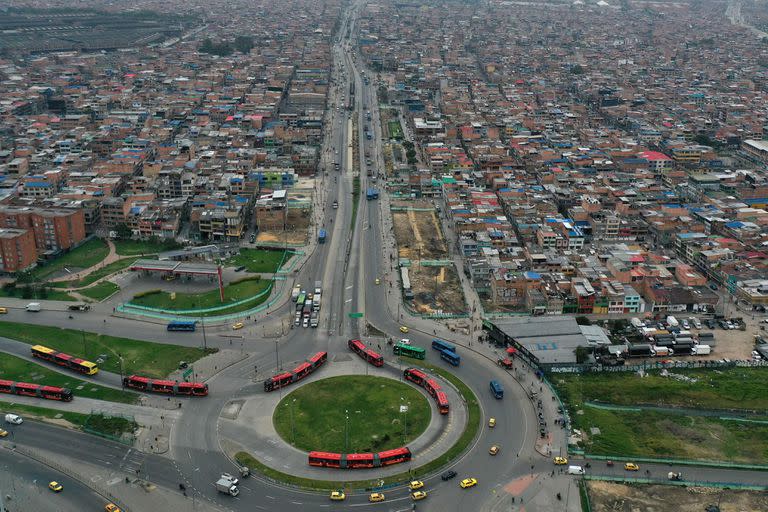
405 341
375 496
335 204
237 326
468 482
403 329
338 495
418 495
3 310
560 461
494 450
631 466
111 507
3 433
448 475
55 486
492 422
377 281
415 484
240 268
305 322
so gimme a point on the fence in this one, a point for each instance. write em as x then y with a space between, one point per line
679 483
656 365
678 462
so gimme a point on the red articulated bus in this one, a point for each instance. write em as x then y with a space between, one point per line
359 460
170 387
442 402
416 376
433 388
359 348
35 390
298 373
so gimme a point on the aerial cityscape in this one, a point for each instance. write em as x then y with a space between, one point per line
497 255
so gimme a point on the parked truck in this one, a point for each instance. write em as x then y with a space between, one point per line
226 486
702 350
640 350
672 321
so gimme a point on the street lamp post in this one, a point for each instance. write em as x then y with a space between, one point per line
346 430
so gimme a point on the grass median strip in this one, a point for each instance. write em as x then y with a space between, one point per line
101 291
97 423
141 357
15 368
469 433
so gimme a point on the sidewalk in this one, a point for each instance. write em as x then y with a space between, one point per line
111 257
135 495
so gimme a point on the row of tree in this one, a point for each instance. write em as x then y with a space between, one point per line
242 44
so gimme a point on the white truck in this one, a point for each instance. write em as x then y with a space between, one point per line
672 321
318 287
575 470
702 350
34 307
296 292
226 486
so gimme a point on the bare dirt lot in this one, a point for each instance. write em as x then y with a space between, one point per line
611 497
297 228
419 238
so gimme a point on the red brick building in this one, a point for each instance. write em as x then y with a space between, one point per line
53 229
17 250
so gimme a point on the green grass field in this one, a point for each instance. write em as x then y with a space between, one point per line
373 404
85 256
658 435
97 274
232 293
101 291
395 130
740 388
15 368
666 435
139 247
140 357
260 261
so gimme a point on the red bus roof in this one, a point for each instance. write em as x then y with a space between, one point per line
359 456
318 356
325 455
5 382
442 398
139 379
434 385
52 388
281 376
418 373
162 382
302 366
192 384
62 355
357 343
373 353
27 385
396 451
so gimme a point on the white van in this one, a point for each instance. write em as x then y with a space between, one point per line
575 470
14 419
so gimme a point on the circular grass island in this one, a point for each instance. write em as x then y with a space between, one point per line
352 414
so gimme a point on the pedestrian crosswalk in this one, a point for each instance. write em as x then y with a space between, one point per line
132 461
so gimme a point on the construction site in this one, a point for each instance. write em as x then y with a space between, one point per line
434 284
285 217
612 497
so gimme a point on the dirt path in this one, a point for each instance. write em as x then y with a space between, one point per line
415 226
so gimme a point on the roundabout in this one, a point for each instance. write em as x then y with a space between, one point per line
352 414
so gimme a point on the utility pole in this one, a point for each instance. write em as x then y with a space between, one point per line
346 430
205 340
277 357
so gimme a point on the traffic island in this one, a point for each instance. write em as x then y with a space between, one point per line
443 442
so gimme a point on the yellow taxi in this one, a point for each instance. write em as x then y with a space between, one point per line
338 495
418 495
377 281
468 482
631 466
375 496
55 486
560 461
494 450
3 310
415 484
3 433
237 326
492 422
403 329
111 507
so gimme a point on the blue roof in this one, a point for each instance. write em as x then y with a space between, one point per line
37 184
735 224
532 275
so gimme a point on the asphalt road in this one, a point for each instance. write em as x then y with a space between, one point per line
26 482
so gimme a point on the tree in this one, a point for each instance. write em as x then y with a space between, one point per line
243 44
123 231
26 292
582 355
43 293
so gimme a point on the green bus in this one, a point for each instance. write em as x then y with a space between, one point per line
409 351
